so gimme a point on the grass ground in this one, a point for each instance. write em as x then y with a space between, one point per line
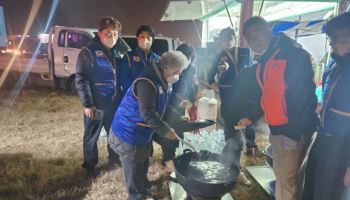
41 153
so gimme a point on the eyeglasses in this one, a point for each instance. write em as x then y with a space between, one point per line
110 34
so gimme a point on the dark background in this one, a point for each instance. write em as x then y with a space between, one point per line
85 13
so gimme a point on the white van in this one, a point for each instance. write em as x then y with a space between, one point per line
60 49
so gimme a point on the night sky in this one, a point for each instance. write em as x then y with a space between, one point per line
85 13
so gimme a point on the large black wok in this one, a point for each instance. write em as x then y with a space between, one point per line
185 176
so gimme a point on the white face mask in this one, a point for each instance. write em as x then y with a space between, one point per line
173 79
109 42
108 37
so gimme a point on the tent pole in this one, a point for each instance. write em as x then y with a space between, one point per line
246 13
228 13
343 5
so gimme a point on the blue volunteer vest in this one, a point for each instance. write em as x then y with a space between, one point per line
335 114
138 61
128 124
103 73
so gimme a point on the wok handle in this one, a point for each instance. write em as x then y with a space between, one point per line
187 151
184 142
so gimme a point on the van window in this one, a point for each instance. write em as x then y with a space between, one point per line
159 46
77 40
61 38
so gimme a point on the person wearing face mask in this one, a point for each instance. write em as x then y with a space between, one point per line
185 90
140 115
99 89
135 61
184 93
328 170
224 75
284 93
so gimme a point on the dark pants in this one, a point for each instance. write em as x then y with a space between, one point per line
326 168
249 134
232 150
92 132
134 159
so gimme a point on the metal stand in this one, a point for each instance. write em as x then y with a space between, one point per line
265 177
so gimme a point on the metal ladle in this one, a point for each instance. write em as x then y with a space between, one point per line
185 142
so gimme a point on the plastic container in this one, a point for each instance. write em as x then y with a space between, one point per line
208 108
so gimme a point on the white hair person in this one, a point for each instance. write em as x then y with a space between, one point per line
172 63
173 59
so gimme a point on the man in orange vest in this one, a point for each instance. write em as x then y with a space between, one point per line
285 93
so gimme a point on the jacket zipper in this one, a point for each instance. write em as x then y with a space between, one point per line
114 68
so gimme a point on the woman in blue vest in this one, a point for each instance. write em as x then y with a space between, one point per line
140 115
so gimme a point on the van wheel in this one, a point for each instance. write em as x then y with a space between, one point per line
70 87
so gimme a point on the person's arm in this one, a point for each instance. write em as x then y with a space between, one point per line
301 99
82 84
173 117
244 59
213 70
252 96
147 98
184 88
193 88
252 114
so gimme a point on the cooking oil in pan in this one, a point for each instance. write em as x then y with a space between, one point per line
210 171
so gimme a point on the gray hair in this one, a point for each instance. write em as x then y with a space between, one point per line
173 59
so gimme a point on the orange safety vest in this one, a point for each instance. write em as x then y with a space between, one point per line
273 88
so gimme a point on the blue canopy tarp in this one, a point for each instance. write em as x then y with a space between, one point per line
299 29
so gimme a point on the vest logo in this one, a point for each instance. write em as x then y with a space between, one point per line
161 91
99 53
136 59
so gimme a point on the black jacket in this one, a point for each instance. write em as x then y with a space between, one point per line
242 98
83 77
227 80
185 88
300 95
